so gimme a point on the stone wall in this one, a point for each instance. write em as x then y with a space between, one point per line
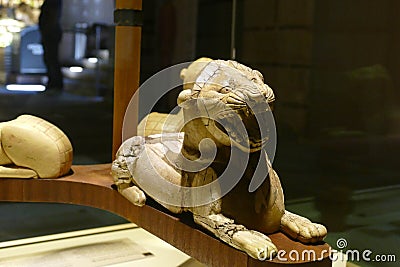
277 38
331 63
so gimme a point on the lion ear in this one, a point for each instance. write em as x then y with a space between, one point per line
183 97
190 74
183 73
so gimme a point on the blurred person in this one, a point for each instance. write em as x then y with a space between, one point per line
24 13
3 12
51 33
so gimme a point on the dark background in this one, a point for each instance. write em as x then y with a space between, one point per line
332 64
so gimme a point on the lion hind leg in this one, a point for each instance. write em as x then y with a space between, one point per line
255 244
134 194
302 229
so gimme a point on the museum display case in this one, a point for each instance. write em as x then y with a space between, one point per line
335 109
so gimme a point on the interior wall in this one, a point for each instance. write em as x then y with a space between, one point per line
88 11
168 38
277 38
354 64
333 66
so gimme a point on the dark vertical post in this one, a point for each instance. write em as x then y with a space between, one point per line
127 17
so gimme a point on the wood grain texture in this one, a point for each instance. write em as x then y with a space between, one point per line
126 70
91 185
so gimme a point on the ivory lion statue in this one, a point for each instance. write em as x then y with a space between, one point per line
215 93
31 147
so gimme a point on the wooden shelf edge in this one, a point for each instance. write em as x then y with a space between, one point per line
90 185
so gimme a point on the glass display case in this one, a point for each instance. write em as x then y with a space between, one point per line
333 67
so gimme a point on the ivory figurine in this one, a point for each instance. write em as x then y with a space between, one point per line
223 109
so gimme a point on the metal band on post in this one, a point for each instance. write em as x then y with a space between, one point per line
128 17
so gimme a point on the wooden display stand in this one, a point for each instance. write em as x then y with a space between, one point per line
91 185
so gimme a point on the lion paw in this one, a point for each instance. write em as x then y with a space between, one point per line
255 244
134 195
302 229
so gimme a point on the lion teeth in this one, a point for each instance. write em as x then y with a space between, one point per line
234 101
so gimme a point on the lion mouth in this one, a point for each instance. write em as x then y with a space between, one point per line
242 129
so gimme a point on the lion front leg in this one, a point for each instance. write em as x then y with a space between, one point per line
255 244
134 194
209 216
302 229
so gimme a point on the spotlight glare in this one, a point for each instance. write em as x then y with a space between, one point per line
93 60
75 69
26 87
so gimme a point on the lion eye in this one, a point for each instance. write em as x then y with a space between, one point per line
257 74
225 90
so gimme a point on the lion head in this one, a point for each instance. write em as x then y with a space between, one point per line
231 99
